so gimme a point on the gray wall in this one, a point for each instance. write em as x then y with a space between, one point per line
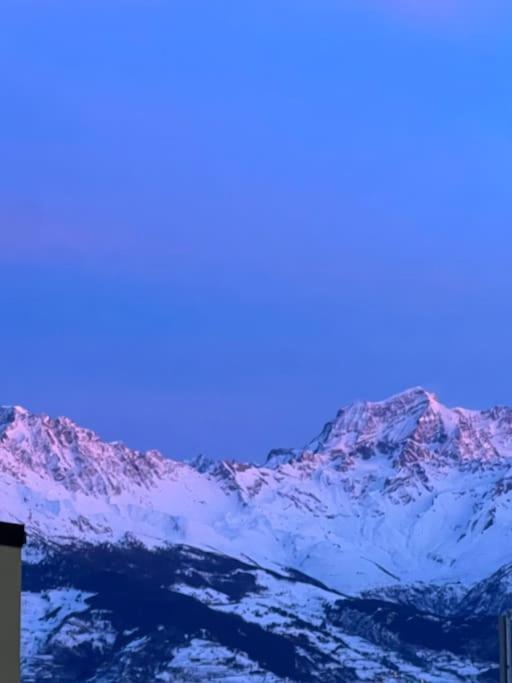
10 595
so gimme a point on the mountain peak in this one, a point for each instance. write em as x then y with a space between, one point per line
412 395
202 463
385 455
407 400
388 421
11 412
37 446
9 415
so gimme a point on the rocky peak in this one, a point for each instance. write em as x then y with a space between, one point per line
10 415
39 446
377 424
410 429
203 464
280 456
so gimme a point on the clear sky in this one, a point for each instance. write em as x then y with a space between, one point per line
220 221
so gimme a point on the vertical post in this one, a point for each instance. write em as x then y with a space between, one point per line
12 538
505 648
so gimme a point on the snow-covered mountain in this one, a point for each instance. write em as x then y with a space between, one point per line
402 501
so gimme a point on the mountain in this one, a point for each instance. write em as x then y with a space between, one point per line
397 513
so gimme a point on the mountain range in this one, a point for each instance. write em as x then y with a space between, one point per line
379 551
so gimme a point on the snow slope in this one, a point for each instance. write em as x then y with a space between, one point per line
379 551
390 493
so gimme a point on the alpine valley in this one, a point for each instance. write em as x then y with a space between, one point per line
380 551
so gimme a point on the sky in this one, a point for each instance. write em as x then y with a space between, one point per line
222 221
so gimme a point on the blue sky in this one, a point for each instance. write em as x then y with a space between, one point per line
221 221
